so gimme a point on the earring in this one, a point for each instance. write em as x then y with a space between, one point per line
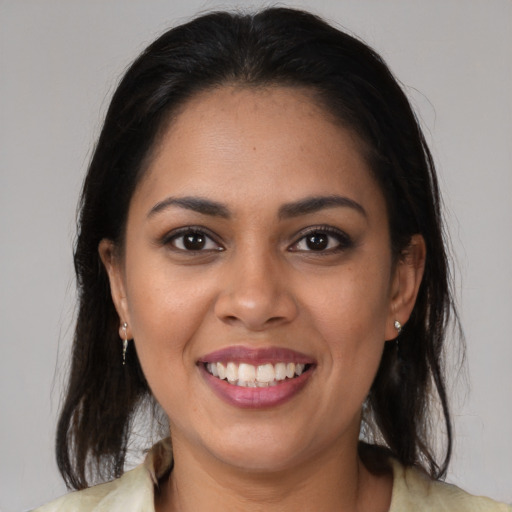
125 341
398 327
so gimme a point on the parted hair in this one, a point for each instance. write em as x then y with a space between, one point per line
273 47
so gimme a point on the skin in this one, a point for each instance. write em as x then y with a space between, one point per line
258 283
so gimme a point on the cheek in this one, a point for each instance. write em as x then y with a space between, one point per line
351 315
165 309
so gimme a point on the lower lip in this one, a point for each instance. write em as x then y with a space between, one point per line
256 398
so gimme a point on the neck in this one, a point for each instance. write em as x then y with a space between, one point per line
332 481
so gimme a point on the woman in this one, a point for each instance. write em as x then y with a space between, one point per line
260 251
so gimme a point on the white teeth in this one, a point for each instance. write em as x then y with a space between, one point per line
232 372
212 368
280 370
248 375
265 373
247 372
221 370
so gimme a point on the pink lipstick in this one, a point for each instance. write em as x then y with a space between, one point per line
256 378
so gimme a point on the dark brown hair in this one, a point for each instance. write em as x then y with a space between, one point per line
276 46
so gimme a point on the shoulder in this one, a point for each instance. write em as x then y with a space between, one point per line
132 492
413 490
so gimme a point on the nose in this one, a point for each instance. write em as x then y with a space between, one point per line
256 293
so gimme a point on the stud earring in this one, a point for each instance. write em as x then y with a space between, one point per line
125 341
398 327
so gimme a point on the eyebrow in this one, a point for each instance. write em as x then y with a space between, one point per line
317 203
196 204
289 210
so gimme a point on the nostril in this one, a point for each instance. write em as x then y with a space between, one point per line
257 307
275 319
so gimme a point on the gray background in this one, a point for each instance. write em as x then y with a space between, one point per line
59 63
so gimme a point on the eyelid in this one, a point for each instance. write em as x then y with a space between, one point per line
169 237
344 240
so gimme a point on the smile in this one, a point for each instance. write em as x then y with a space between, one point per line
252 376
256 378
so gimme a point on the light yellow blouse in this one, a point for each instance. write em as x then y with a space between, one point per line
134 491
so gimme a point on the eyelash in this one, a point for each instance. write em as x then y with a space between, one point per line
343 241
171 238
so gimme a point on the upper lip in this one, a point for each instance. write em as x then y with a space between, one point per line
256 356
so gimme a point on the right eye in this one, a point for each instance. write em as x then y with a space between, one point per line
193 240
322 240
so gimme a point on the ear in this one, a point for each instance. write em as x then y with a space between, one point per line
406 283
112 262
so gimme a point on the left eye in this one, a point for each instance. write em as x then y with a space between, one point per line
194 241
322 240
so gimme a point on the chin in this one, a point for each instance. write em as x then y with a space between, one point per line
266 448
260 459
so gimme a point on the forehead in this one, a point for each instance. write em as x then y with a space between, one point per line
247 142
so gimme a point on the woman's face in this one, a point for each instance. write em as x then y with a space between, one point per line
257 247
